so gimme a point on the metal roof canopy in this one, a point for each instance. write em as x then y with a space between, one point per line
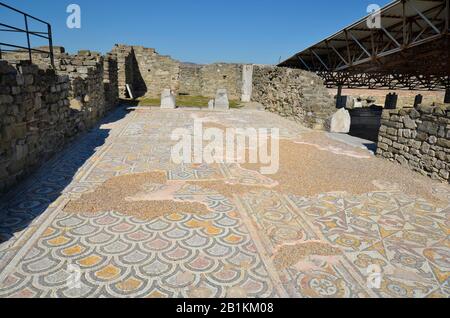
411 50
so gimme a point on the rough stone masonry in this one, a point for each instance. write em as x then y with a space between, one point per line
35 119
418 138
294 94
39 105
41 109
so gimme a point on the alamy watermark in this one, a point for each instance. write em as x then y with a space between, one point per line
374 19
74 19
74 278
374 276
232 146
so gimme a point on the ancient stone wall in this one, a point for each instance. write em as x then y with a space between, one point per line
87 90
35 118
220 75
111 81
294 94
41 108
418 138
150 73
205 80
154 72
94 78
190 79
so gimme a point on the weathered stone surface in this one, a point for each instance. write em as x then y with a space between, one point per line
168 100
211 104
409 123
422 144
341 122
221 102
149 73
76 104
247 83
295 94
47 107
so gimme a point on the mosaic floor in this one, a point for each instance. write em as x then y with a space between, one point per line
379 244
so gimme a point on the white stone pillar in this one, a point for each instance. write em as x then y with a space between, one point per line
247 83
221 102
211 104
168 100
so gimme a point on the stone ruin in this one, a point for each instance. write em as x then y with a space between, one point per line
42 109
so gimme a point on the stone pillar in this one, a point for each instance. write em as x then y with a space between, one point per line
221 102
211 104
247 83
447 96
168 100
341 122
418 100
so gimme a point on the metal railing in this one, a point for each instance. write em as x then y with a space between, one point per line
25 30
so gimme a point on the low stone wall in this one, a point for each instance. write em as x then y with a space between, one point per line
418 138
87 90
35 119
294 94
94 78
41 109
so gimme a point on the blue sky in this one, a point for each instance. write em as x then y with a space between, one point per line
201 31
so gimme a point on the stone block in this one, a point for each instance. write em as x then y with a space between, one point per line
6 99
221 102
341 122
445 143
76 104
168 100
409 123
211 104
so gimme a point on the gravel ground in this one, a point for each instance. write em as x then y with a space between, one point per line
319 164
114 195
311 165
289 255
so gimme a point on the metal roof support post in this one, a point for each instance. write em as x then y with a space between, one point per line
447 96
339 97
